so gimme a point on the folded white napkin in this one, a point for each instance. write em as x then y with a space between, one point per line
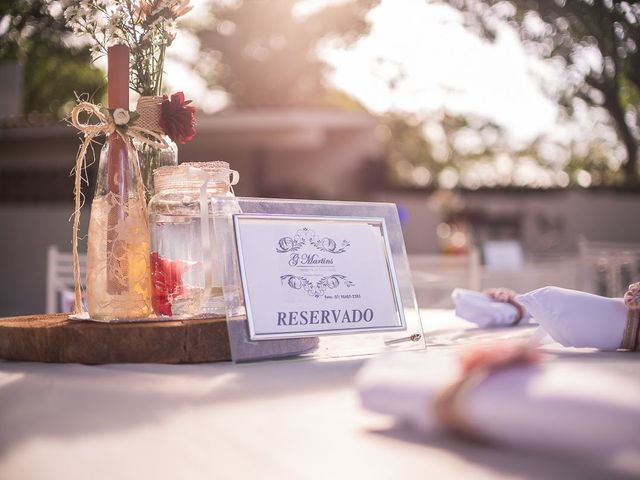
484 311
555 407
577 319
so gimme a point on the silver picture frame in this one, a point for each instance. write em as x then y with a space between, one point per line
398 324
321 347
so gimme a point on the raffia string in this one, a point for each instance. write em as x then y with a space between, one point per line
506 295
104 126
477 365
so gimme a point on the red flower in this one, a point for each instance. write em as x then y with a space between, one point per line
166 283
178 118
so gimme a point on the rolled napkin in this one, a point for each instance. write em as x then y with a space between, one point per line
579 319
558 407
491 308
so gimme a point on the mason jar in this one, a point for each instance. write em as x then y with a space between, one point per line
194 269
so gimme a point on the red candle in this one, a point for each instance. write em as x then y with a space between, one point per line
117 178
118 76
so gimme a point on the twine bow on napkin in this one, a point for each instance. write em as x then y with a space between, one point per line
477 365
506 295
105 124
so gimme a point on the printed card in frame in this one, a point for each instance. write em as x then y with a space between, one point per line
396 324
309 276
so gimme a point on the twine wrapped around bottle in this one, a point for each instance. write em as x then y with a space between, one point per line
145 128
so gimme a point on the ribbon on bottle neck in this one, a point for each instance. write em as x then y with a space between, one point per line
210 264
104 124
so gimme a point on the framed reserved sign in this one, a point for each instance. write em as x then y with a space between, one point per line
317 275
321 279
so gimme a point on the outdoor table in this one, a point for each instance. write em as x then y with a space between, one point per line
292 419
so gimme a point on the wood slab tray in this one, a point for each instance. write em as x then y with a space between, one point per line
55 338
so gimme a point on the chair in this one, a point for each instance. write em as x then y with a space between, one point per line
60 284
435 277
607 268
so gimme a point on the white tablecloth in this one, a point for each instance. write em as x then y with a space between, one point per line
278 420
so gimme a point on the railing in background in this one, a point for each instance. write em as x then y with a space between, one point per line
607 268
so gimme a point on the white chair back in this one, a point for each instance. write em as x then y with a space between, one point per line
60 283
435 276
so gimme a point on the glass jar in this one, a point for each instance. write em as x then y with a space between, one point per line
151 158
118 269
194 269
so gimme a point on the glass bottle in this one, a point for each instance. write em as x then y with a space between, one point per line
118 264
194 268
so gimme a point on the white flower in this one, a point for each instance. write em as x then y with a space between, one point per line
70 14
120 116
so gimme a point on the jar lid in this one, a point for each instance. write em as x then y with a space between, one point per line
191 175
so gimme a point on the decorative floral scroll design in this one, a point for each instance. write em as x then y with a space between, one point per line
306 236
318 288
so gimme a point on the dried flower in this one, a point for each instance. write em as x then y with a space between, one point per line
178 118
147 27
182 8
166 282
121 116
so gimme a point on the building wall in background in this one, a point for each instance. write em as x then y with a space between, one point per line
26 232
597 215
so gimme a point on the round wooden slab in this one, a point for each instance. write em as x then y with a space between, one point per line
55 338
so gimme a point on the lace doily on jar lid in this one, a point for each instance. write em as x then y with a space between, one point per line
217 168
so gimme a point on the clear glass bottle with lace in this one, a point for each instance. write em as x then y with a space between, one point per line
194 268
118 265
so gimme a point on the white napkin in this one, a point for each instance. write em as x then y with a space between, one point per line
577 319
555 407
484 311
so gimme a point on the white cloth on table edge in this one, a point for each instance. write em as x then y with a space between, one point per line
552 407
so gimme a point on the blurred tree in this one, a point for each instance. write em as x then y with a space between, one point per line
33 33
445 150
265 52
598 42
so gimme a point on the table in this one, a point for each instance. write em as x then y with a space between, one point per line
279 420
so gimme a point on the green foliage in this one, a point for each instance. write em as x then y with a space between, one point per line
565 31
53 70
53 76
446 151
